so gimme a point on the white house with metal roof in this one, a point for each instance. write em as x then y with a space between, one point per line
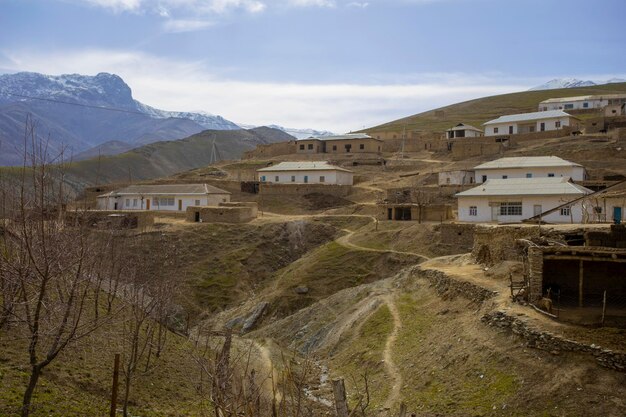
582 102
529 167
463 131
514 200
541 121
306 172
168 197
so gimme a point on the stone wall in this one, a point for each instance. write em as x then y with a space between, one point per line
232 213
446 286
495 244
615 238
304 189
424 213
458 235
113 220
553 343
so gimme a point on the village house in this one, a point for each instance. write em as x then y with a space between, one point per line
529 167
458 177
168 197
542 121
342 144
515 200
306 172
463 131
582 102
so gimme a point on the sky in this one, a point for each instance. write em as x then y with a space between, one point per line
339 65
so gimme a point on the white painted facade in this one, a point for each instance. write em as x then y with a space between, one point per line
489 209
529 167
461 177
306 173
581 102
542 125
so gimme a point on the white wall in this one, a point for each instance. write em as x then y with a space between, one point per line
135 202
312 177
575 173
456 177
528 203
576 105
550 124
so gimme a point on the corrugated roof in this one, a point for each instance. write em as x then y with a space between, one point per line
303 166
582 98
463 126
524 117
526 187
167 189
347 136
527 162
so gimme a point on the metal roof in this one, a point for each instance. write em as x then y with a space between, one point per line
166 189
303 166
583 98
526 117
526 187
527 162
347 136
463 126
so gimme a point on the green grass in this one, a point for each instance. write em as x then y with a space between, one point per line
478 111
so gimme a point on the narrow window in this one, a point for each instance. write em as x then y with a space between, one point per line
542 127
334 147
128 202
473 211
529 175
557 124
504 177
263 178
361 146
510 130
495 130
276 178
134 202
301 147
197 202
293 178
484 178
322 178
550 175
310 146
565 211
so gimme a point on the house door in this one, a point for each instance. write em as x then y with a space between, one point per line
389 214
494 213
197 217
537 210
617 215
542 127
148 204
180 205
115 206
306 179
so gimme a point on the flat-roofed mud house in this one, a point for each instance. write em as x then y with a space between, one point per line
523 123
529 167
458 177
162 197
518 199
306 172
341 144
463 131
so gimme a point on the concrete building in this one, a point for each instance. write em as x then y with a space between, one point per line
515 200
342 144
582 102
306 172
463 131
542 121
529 167
460 177
168 197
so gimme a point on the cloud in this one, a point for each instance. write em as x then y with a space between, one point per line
340 107
356 4
166 7
182 25
312 3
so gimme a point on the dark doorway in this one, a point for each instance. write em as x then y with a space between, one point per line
403 213
197 217
389 214
115 206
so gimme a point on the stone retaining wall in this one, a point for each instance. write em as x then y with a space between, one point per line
304 189
545 340
444 285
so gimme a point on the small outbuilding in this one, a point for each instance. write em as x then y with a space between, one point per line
463 131
162 197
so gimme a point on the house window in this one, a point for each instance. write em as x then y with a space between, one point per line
276 178
165 201
334 147
448 180
134 202
568 106
473 211
484 178
362 146
597 210
557 124
504 177
495 130
511 209
306 179
545 109
565 211
197 202
310 146
263 178
550 175
529 175
510 130
322 178
293 178
128 202
585 105
542 127
531 129
301 147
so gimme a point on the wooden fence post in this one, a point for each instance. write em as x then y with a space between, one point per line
339 392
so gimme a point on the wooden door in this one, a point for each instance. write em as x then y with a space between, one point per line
148 204
180 205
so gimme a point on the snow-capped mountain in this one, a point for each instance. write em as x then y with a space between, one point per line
573 82
68 109
297 133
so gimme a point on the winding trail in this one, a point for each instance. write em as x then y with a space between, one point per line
390 367
345 241
269 377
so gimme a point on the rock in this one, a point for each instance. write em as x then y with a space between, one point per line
254 317
301 290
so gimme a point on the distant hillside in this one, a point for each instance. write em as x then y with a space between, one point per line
81 112
110 148
478 111
162 159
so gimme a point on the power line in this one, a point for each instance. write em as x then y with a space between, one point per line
78 104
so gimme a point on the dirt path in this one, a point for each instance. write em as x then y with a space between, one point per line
269 376
390 367
345 241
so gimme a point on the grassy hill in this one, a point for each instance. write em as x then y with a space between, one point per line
478 111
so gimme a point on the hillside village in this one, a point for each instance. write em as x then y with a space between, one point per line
477 267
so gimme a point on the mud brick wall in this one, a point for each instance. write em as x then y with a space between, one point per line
553 343
220 214
535 272
615 238
458 235
495 244
304 189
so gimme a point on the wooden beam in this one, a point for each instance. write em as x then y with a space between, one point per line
583 258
